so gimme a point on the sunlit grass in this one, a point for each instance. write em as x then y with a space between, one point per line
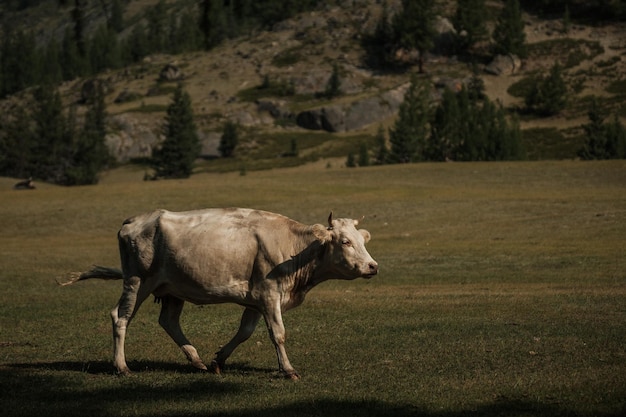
501 292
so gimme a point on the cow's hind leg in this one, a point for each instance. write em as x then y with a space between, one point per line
249 320
169 319
121 315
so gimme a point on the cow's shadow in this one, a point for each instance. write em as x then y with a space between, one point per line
138 367
49 391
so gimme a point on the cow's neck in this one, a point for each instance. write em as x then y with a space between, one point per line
301 272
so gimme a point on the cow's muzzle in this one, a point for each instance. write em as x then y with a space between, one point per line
372 269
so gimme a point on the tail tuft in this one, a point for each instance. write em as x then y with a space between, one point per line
100 272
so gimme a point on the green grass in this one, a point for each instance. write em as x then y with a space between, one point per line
502 292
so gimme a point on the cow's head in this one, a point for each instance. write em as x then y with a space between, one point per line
346 257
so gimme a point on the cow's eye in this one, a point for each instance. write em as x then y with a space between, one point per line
346 242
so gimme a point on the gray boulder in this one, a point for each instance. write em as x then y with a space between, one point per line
504 65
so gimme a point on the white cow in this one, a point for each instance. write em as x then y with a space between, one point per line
262 261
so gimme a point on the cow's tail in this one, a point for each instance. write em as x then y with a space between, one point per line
100 272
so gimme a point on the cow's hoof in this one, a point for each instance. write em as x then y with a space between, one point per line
123 372
292 376
199 365
215 368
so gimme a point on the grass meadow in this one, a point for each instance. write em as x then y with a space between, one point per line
502 292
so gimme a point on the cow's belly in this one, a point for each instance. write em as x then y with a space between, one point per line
201 283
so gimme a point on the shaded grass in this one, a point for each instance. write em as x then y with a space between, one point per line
502 292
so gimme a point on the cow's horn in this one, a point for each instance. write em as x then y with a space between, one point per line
330 221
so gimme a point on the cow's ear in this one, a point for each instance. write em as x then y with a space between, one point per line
322 233
366 235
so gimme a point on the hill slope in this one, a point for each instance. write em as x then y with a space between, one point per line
299 53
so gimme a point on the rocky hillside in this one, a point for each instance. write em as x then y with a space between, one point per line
295 59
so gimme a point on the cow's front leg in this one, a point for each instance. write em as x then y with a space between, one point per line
274 321
249 320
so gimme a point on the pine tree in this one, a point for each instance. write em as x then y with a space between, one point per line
212 22
333 86
50 67
409 133
175 157
136 47
548 96
470 19
17 145
616 139
509 33
468 128
379 45
364 156
116 18
19 63
603 140
90 154
72 63
414 27
78 16
350 161
382 156
104 50
229 140
446 128
156 34
595 145
54 144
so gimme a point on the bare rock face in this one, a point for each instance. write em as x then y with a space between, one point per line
504 65
354 116
131 138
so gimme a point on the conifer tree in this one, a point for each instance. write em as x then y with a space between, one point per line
616 138
17 145
379 45
382 156
509 33
50 65
116 16
333 86
409 133
229 140
212 22
156 35
54 144
447 128
548 96
364 156
350 161
414 27
19 61
175 157
603 140
78 16
470 20
136 47
595 145
90 154
72 63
